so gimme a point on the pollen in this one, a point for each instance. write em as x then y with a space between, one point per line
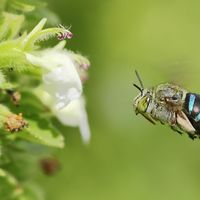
15 123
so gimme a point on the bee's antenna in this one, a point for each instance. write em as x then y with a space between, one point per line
139 79
140 89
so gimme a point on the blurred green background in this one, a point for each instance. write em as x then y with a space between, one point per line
128 157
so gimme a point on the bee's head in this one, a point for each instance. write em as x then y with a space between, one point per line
142 101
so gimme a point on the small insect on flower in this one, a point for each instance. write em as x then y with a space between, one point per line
15 123
66 35
169 104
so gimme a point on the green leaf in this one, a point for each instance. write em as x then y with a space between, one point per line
42 132
10 188
10 25
4 84
39 34
7 85
3 114
40 129
31 192
11 57
22 6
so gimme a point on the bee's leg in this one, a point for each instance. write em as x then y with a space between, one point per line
192 135
173 123
174 128
172 120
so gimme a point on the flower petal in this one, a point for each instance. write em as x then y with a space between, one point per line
63 85
61 81
75 115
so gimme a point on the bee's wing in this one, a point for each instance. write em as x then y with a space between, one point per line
184 122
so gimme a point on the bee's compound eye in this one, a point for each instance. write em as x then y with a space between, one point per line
175 98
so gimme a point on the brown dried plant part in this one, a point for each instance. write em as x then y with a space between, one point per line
15 123
49 166
15 97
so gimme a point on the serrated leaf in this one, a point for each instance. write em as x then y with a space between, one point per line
41 128
13 59
42 132
39 34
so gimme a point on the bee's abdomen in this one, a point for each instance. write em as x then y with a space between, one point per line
192 109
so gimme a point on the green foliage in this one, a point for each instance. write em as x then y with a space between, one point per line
10 188
26 128
44 133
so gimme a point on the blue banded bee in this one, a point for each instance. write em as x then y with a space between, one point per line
169 104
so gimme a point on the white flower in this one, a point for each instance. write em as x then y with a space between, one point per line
61 79
75 115
62 87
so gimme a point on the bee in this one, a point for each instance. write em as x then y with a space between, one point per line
169 104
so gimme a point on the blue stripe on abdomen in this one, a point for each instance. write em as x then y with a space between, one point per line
197 118
191 103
